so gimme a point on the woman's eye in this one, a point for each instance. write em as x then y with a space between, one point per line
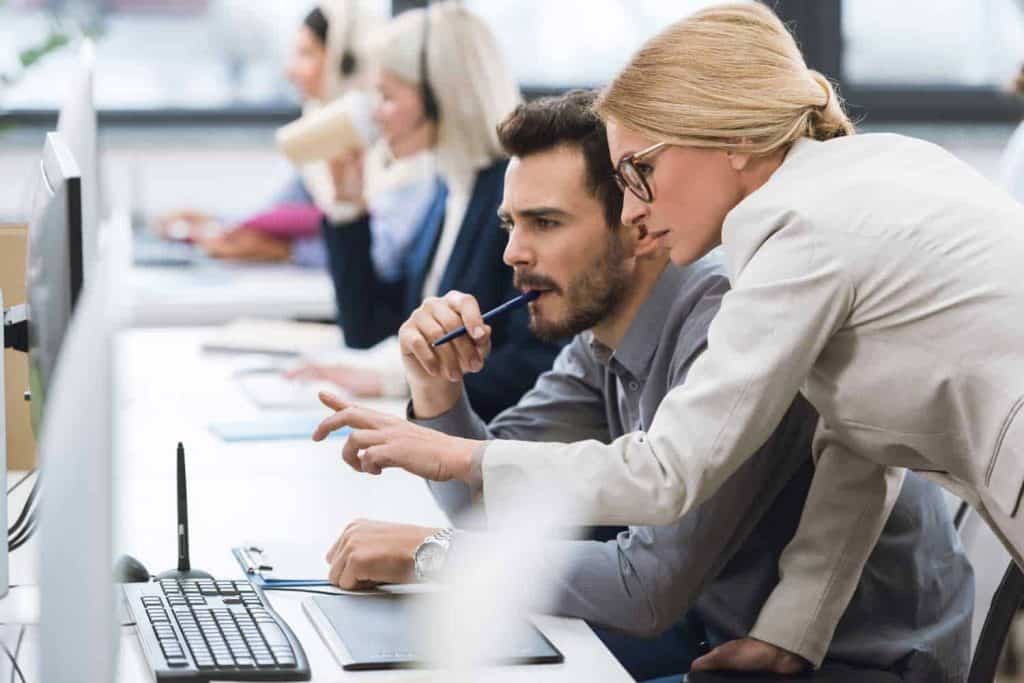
645 170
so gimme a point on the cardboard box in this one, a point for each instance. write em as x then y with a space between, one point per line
21 443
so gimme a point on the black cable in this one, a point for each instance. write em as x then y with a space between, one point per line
24 533
14 660
17 651
21 481
24 536
25 509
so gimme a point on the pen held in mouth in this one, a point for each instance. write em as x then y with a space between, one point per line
510 305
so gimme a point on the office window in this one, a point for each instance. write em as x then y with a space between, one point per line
160 54
918 43
576 42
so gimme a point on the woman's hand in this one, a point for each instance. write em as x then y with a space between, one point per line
187 226
362 382
379 441
242 244
750 654
347 174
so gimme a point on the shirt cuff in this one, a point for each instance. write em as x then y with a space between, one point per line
459 420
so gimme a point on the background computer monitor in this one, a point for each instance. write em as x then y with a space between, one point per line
78 125
78 627
54 269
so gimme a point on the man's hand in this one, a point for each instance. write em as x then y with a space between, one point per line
369 553
435 373
749 654
379 441
362 382
242 244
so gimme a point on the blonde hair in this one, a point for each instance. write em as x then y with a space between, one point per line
468 75
729 77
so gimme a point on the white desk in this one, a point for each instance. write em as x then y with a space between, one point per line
293 491
211 293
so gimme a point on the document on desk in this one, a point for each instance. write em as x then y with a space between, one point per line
274 428
275 337
285 565
295 565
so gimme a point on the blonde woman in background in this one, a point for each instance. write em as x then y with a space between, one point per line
875 273
443 87
327 61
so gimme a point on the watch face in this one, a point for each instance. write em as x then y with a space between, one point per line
431 558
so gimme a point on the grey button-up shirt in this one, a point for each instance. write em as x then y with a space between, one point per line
912 609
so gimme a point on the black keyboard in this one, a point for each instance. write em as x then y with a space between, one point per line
198 630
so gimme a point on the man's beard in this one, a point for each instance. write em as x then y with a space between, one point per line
590 298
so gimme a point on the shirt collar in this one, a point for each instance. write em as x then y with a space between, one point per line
638 345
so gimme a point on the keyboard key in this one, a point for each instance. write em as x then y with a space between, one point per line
274 636
176 662
227 660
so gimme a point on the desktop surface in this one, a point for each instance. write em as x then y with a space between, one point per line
287 491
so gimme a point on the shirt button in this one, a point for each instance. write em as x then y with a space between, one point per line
633 386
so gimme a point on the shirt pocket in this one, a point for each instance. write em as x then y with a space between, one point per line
1005 477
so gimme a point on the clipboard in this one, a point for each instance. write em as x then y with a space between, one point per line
260 570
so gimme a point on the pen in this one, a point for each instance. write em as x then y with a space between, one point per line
510 305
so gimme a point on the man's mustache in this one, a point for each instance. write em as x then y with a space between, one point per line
535 281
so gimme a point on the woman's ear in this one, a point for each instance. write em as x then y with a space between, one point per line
738 160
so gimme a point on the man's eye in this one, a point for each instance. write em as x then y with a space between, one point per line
506 226
543 223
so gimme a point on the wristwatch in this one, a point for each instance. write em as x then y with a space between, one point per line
428 558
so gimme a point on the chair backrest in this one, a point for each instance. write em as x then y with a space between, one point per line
998 592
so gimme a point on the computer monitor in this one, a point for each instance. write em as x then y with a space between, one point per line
54 269
78 125
78 601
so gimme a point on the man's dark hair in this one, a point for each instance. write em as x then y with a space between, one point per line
567 119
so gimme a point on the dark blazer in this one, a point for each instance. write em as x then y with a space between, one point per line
370 310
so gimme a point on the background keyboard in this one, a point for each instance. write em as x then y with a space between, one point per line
203 629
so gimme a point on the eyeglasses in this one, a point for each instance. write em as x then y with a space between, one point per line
628 176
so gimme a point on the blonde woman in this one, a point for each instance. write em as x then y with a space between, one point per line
877 274
443 87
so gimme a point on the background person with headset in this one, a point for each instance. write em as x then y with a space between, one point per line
877 274
443 86
327 61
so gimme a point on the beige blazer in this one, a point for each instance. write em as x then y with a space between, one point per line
884 279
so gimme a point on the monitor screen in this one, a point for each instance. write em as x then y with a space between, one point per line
77 124
54 267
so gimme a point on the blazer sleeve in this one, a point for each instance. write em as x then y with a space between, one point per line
786 304
369 309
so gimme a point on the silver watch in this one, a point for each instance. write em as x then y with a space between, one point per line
428 558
